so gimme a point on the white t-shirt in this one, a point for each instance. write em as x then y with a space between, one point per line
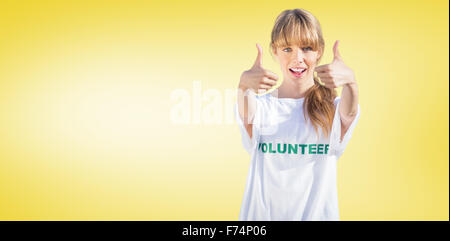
292 172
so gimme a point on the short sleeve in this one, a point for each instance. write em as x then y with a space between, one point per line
248 143
336 145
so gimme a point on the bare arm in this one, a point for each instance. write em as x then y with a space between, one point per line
246 107
339 74
349 106
255 79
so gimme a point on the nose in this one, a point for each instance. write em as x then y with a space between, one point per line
299 55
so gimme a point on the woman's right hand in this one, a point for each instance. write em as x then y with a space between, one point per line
257 78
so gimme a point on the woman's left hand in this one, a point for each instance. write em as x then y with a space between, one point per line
337 73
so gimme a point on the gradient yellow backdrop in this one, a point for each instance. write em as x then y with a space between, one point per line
85 128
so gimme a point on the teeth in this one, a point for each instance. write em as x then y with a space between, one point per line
297 70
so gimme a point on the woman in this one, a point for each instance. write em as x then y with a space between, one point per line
296 133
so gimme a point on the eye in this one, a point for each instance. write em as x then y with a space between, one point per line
308 48
287 49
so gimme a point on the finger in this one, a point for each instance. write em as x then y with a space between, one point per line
321 68
270 75
337 55
326 80
260 91
269 81
324 74
330 85
264 86
258 61
329 82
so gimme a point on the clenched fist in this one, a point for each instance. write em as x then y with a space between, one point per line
257 78
337 73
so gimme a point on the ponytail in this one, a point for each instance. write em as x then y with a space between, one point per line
319 107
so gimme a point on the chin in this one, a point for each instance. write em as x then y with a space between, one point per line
300 80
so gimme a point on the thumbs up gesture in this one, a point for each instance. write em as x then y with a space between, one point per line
337 73
257 78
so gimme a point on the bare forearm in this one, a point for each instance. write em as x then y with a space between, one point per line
246 104
349 99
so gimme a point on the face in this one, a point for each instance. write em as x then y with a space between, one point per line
297 62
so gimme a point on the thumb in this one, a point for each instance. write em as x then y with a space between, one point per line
258 61
337 55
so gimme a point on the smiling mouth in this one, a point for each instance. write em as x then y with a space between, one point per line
296 71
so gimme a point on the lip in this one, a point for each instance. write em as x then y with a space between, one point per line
297 75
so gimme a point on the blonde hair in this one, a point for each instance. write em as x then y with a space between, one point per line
299 27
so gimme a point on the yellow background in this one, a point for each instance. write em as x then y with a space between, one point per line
85 100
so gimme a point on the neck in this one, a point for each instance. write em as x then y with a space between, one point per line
294 89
